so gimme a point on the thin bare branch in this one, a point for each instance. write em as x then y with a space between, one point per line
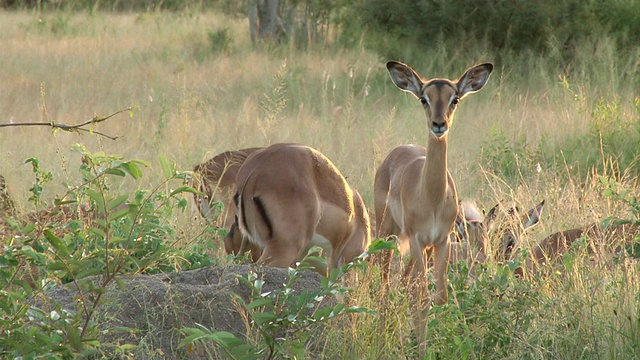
76 127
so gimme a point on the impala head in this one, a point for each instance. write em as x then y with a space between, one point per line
511 228
439 97
215 182
470 226
201 198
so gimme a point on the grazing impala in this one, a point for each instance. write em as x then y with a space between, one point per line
470 238
604 239
509 229
290 198
216 180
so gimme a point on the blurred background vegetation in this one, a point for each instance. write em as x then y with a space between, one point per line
544 27
566 83
559 118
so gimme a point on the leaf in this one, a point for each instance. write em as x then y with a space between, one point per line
86 272
166 167
97 199
118 240
117 201
115 171
58 245
99 232
337 310
382 244
258 303
57 265
322 314
118 214
264 317
34 163
234 347
133 169
182 189
75 339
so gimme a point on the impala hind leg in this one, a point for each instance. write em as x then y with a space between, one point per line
283 249
278 255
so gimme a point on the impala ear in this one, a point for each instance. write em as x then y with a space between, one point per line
474 79
490 217
405 78
533 216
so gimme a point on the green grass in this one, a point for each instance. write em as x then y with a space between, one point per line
197 93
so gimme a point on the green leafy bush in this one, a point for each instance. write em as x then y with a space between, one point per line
396 28
90 238
283 321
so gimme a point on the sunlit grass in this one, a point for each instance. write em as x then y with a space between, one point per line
191 102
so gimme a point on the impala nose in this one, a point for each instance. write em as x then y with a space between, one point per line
439 129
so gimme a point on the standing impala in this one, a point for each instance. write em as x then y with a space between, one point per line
415 196
290 198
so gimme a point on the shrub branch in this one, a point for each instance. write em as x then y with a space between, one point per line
77 127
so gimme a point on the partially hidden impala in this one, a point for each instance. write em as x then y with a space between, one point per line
291 197
470 239
601 240
414 194
215 179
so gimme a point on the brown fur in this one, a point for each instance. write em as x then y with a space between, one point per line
470 240
415 196
607 240
216 179
290 195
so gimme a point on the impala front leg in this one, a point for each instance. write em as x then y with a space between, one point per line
440 264
416 275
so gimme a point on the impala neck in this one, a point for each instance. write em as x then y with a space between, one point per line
435 171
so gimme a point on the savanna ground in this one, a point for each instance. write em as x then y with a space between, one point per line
532 133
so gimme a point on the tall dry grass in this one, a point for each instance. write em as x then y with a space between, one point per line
192 102
193 99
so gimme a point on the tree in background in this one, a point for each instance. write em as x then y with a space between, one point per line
301 21
540 27
264 20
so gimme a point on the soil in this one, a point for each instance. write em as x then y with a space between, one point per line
158 306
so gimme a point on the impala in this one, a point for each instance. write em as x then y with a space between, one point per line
470 238
414 194
215 180
291 197
509 229
606 239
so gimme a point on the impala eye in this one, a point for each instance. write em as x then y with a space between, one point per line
455 101
424 100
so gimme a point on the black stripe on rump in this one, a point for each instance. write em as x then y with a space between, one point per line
263 213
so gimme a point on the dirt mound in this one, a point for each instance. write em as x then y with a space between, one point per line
159 305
